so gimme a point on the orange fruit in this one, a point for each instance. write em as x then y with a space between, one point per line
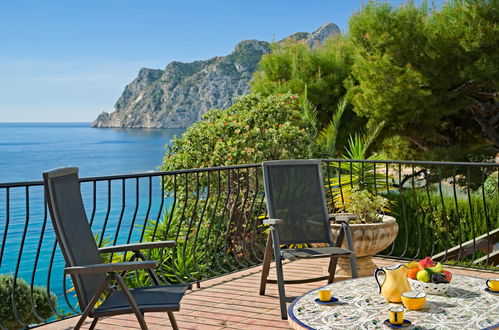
413 264
413 273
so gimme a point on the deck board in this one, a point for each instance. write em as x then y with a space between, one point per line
216 305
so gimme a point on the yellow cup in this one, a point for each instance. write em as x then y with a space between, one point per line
414 300
396 315
493 284
324 294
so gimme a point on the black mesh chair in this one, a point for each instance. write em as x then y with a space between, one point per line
91 278
297 210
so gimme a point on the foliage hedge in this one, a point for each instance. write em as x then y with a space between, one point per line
254 129
23 303
293 67
433 224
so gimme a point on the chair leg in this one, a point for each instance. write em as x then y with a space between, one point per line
172 320
80 321
92 302
351 247
267 258
280 279
131 301
280 286
94 323
332 269
353 265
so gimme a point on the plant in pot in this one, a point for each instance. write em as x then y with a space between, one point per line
372 231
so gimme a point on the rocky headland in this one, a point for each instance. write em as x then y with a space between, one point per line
179 95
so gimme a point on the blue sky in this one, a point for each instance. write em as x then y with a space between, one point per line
70 60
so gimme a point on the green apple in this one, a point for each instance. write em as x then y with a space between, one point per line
423 276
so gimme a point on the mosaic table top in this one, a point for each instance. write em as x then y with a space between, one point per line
360 306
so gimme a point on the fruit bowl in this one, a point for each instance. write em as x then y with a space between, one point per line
440 289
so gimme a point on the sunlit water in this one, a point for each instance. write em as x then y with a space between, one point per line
28 149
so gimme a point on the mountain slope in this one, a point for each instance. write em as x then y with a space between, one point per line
179 95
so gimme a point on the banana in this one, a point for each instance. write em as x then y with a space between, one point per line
437 269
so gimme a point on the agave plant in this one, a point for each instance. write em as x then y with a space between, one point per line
180 264
364 175
327 137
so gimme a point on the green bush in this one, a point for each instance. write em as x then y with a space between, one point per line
366 205
490 187
294 67
179 263
433 224
254 129
23 302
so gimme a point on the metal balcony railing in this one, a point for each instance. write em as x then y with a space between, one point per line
446 210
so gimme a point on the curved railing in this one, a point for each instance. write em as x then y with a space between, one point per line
447 210
215 216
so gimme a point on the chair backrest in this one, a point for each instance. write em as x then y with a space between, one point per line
295 193
62 190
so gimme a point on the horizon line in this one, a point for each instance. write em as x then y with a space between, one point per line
45 122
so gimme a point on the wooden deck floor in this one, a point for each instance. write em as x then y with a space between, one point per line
233 302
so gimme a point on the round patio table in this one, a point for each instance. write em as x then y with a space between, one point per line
360 306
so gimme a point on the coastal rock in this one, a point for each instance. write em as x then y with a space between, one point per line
179 95
317 37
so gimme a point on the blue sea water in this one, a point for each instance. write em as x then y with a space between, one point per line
28 149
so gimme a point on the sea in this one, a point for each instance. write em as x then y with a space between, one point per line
29 149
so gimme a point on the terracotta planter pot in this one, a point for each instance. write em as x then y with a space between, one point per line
368 239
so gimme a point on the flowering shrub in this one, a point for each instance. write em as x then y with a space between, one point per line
254 129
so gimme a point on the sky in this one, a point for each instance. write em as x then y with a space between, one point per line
69 60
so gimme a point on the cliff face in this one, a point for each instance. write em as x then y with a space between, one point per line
179 95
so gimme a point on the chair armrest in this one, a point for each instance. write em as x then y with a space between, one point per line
338 217
273 221
113 267
137 246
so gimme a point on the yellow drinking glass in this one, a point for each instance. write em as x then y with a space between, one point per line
493 284
396 315
324 294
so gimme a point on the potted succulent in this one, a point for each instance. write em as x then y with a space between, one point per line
372 231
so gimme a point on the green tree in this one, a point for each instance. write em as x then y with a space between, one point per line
254 129
319 73
430 74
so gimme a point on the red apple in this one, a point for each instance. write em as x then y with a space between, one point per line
448 275
426 262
